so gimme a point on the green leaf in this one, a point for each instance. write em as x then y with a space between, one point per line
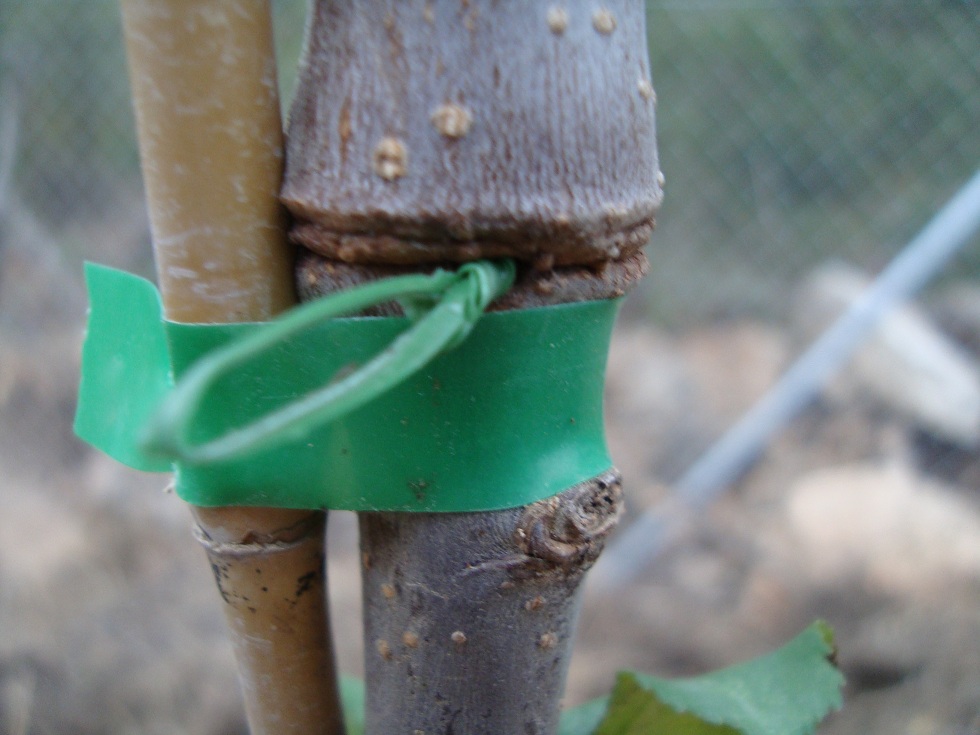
786 692
584 719
352 702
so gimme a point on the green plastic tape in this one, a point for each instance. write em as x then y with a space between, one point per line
510 416
125 366
444 307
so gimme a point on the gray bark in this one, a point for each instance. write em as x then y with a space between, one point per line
317 276
469 617
426 130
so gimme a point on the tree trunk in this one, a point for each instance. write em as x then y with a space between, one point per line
433 132
469 617
438 130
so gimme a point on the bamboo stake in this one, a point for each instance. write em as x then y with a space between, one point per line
204 84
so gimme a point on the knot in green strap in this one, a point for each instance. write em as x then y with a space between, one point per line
511 415
443 306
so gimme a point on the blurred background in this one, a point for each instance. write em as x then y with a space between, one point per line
803 145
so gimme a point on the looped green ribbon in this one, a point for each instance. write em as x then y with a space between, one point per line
444 307
449 411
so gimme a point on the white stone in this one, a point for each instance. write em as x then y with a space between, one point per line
907 363
885 526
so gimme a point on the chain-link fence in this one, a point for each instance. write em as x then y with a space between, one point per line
68 158
789 131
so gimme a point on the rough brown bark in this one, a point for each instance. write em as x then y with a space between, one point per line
317 276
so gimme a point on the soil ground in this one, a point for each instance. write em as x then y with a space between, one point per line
109 622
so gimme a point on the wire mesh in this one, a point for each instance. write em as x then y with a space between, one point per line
788 131
71 144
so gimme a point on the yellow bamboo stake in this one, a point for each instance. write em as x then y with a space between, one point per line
207 107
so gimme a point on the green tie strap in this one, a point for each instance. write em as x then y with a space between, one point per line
442 411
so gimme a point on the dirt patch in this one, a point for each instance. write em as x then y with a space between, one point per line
109 621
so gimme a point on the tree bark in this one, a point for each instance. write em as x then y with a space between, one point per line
462 610
317 276
469 617
433 130
427 132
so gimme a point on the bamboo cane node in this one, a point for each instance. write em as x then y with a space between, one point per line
250 548
247 525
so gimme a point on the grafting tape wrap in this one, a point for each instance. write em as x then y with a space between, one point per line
440 416
445 307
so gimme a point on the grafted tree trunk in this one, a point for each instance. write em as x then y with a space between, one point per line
469 617
429 132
